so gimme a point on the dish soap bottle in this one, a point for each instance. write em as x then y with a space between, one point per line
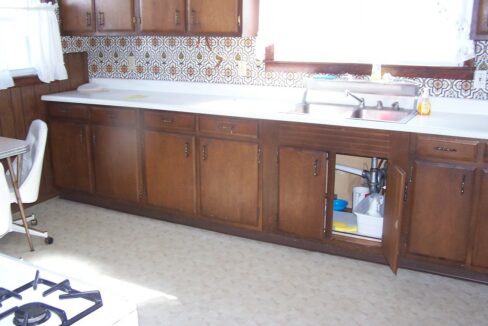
423 107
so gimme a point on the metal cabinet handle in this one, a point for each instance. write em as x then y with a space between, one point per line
316 167
193 17
226 127
81 135
445 149
204 152
259 155
88 19
167 121
463 182
177 17
101 18
187 150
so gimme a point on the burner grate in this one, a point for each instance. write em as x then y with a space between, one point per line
36 313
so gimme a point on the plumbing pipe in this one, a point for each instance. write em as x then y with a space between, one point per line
349 169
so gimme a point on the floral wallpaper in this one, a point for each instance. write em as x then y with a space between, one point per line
215 60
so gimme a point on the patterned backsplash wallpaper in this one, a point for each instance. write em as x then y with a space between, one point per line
215 60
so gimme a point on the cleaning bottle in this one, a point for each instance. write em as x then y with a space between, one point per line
423 107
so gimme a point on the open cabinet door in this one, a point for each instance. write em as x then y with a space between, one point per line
393 215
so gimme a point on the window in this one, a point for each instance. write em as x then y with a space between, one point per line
14 35
394 32
29 34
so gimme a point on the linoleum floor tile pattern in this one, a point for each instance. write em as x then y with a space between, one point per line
186 276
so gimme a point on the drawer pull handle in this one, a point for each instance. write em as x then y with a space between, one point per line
187 150
167 121
226 127
445 149
316 168
463 182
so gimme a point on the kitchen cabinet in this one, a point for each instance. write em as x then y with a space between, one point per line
102 16
302 192
70 147
167 16
213 16
229 181
115 15
441 210
193 17
115 153
480 251
77 16
479 22
169 160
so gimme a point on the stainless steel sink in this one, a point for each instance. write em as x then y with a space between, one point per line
332 111
383 115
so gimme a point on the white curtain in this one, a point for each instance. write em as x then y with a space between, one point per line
31 30
45 43
413 32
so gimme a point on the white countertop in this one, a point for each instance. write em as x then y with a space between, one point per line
450 117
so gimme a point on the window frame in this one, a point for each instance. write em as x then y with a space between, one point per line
459 73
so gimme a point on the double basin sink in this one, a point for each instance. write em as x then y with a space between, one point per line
339 111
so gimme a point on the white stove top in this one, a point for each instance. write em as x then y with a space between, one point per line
14 273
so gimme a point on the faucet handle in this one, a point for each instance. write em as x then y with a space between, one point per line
379 105
395 105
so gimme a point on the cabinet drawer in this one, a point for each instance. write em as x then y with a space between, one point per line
117 116
454 149
229 126
163 120
70 111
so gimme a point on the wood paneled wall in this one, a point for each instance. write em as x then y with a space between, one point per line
21 104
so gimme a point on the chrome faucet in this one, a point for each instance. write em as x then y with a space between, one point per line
362 105
395 106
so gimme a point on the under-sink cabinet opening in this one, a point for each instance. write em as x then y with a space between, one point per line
359 196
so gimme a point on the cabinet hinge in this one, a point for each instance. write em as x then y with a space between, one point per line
259 155
136 20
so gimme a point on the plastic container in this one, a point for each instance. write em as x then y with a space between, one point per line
340 204
424 105
370 221
358 194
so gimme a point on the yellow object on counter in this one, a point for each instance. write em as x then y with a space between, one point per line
424 105
343 227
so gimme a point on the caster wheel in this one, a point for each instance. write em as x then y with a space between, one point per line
49 240
33 222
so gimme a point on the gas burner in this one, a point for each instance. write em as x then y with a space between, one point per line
31 314
37 313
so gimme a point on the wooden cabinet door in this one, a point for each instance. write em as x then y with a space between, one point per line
302 192
70 155
480 253
77 16
441 210
170 170
229 181
162 15
115 15
213 16
116 162
392 221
